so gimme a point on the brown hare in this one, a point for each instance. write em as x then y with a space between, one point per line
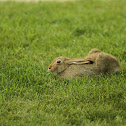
96 63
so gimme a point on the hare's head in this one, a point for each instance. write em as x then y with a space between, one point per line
60 64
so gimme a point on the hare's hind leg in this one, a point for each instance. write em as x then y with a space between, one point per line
107 63
102 63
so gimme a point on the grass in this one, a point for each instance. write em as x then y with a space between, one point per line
32 35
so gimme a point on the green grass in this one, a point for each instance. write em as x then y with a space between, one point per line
32 35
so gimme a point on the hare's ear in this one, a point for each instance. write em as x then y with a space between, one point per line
80 62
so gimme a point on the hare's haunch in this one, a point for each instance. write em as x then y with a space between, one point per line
96 63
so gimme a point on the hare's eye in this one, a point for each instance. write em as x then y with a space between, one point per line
58 61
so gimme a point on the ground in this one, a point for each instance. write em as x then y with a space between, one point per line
32 35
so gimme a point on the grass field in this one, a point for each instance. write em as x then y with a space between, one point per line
32 35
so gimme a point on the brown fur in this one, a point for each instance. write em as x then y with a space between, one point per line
96 63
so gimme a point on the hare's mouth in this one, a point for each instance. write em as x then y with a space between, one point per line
51 69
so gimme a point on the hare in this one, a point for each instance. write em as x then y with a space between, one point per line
96 63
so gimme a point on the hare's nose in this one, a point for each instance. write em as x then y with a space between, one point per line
49 67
